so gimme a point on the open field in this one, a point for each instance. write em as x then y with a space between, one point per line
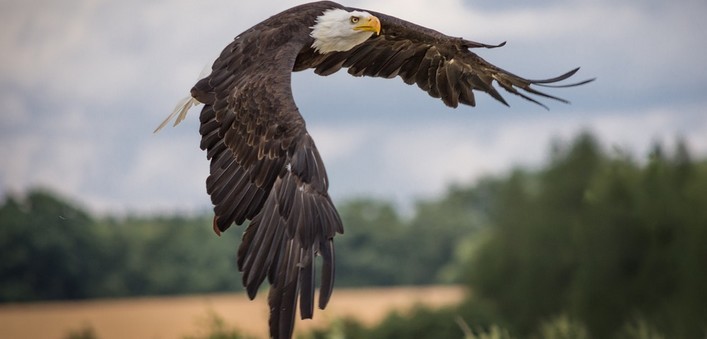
175 317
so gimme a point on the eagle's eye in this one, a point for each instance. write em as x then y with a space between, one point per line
355 19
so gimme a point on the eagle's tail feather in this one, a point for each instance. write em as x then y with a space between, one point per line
180 111
183 106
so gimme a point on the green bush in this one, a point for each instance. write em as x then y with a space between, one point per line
215 328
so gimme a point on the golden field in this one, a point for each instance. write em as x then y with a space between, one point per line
176 317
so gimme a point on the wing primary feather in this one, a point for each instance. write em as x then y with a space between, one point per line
307 285
512 90
556 79
568 85
221 175
287 195
232 210
227 185
327 286
444 85
474 44
259 252
253 208
422 75
466 94
536 92
225 160
261 226
283 294
210 142
454 73
244 247
297 217
435 61
485 85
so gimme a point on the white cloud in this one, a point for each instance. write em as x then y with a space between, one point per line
15 112
413 159
87 81
167 174
336 142
60 163
18 155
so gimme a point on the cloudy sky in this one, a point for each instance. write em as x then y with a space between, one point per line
84 82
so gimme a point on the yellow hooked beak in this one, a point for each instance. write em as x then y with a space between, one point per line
370 24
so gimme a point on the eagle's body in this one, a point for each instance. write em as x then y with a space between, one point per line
264 165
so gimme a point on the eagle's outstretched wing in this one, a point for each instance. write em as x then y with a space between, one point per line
441 65
265 168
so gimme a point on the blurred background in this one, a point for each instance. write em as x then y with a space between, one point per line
586 220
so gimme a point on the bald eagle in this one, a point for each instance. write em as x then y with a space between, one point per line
265 167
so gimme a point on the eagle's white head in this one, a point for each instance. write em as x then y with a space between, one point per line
338 30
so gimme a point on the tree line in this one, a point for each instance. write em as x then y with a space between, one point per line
596 239
53 249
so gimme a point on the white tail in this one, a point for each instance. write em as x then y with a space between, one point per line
183 106
180 111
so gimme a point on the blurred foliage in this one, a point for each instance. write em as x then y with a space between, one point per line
601 238
51 249
380 248
85 332
44 242
420 322
216 328
593 244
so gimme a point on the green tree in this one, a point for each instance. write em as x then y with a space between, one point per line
52 249
380 248
169 255
600 238
48 249
366 254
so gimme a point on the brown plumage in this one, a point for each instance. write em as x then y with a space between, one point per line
264 165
